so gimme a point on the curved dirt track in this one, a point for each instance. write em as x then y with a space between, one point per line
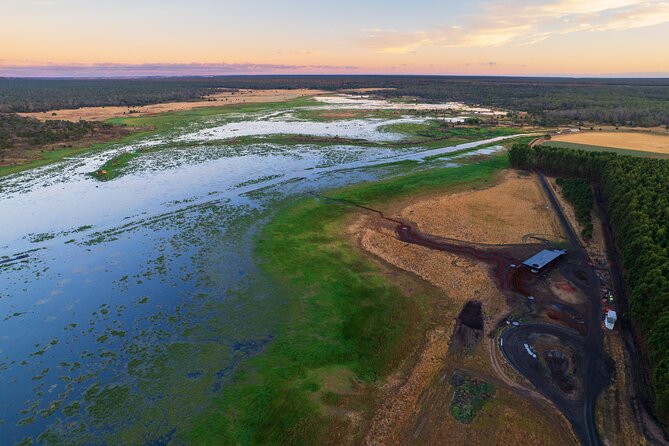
518 281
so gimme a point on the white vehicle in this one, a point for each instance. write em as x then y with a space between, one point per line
530 351
610 320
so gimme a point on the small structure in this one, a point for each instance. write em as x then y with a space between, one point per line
543 258
610 319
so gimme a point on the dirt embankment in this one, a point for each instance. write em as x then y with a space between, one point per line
641 141
415 409
214 100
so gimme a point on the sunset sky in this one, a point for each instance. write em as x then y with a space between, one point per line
161 37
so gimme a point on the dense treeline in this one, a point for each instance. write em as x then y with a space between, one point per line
579 194
550 101
637 193
19 131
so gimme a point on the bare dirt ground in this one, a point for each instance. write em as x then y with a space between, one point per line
215 100
641 141
416 407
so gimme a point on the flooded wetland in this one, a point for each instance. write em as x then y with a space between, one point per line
144 286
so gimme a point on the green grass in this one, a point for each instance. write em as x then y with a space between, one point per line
590 148
166 121
323 115
469 396
439 130
340 313
112 168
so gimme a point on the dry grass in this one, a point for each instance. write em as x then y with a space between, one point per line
615 415
513 208
215 100
415 409
344 114
641 141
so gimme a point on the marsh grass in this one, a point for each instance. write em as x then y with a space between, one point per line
340 311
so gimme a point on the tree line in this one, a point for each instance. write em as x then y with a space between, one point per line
549 101
636 191
579 194
18 131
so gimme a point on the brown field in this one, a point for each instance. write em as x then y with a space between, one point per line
415 409
641 141
501 214
215 100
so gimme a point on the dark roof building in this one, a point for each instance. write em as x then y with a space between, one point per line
544 258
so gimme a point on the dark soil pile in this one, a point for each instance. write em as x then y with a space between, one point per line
558 365
469 327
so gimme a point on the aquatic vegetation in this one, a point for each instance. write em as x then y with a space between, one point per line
158 291
365 324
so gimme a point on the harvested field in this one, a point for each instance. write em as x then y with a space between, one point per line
504 213
640 141
215 100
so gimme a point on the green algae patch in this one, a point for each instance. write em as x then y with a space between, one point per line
343 326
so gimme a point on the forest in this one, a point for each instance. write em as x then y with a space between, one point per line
636 191
550 101
17 131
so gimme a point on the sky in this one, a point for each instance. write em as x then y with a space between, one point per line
626 38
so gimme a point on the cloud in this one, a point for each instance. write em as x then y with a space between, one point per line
515 22
161 69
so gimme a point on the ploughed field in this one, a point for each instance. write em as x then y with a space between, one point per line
132 296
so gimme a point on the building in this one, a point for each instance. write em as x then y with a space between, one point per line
543 258
610 320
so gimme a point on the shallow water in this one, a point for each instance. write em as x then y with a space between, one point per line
126 305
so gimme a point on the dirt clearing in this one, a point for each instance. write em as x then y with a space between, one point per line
214 100
644 142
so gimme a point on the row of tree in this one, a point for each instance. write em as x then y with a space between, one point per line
579 194
550 101
637 194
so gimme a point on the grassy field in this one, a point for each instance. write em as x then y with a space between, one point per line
439 130
591 148
345 327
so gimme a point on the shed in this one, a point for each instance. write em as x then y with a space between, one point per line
543 258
